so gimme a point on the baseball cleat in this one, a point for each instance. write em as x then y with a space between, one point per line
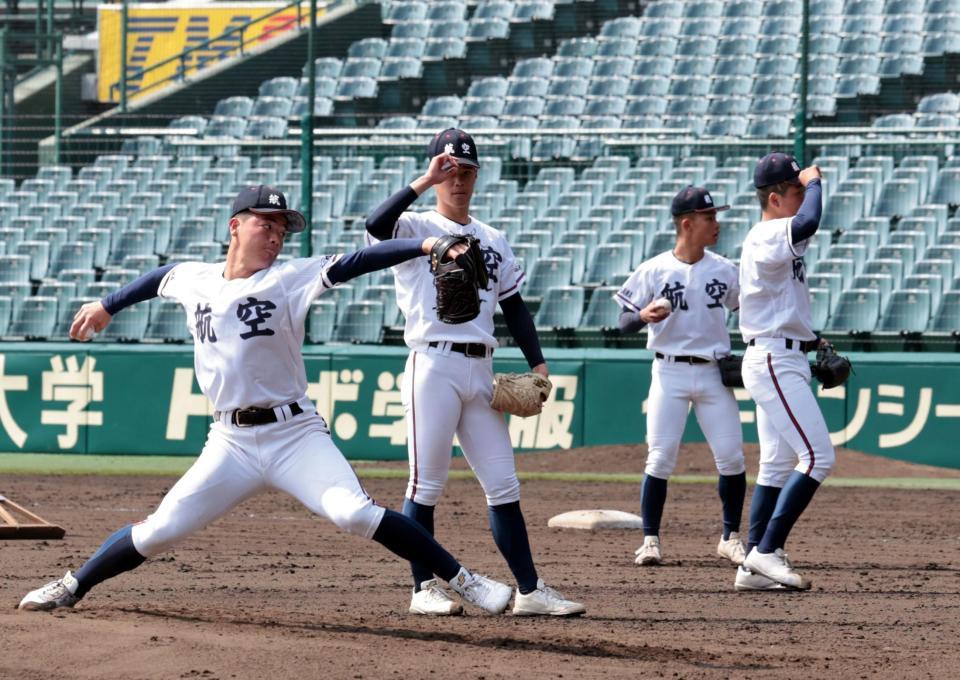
732 548
776 566
648 554
59 593
433 600
749 581
481 591
545 601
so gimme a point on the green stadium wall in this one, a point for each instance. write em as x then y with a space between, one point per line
143 399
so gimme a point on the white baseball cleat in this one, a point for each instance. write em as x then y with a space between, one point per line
433 600
777 567
648 554
545 601
749 581
481 591
732 548
59 593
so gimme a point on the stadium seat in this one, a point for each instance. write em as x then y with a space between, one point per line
14 268
857 310
602 311
947 316
562 307
38 253
908 310
322 319
35 318
546 273
360 322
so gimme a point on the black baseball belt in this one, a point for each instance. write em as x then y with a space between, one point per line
254 415
474 350
685 359
799 345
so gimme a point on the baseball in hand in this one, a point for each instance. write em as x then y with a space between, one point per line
664 304
88 333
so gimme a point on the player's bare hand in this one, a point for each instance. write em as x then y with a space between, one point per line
542 370
452 254
441 168
655 312
89 320
807 174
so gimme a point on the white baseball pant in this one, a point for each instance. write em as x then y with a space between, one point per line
297 457
793 434
673 387
446 393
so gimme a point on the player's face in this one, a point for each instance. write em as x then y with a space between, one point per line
457 190
704 228
789 202
259 238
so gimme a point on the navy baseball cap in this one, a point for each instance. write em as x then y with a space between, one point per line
457 143
694 199
266 200
775 168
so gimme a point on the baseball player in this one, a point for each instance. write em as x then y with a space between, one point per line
682 296
448 381
246 316
776 325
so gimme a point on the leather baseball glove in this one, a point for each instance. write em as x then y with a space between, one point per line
521 394
830 368
457 281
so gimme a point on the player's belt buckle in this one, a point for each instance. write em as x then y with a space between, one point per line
248 417
475 350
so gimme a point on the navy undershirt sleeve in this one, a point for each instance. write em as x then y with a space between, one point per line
374 258
520 324
630 321
807 220
381 221
144 288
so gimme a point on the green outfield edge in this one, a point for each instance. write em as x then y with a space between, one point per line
67 464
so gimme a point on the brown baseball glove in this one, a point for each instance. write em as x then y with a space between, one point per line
521 394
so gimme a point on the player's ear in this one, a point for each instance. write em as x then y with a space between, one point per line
234 225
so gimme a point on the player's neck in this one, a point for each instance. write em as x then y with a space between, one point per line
235 268
688 253
453 213
768 215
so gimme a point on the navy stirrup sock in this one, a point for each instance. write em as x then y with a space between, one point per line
732 490
407 539
423 515
115 556
510 535
796 495
761 509
652 498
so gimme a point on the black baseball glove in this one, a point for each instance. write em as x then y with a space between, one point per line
830 368
457 281
731 370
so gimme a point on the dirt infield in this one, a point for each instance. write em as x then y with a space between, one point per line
272 592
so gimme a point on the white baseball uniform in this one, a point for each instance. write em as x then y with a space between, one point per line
774 320
686 345
247 338
445 392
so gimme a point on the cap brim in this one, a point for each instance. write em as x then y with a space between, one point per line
467 161
717 208
295 220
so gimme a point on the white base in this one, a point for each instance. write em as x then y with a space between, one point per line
596 519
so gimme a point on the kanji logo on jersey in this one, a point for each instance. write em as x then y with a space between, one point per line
799 269
204 323
254 313
675 295
715 290
492 260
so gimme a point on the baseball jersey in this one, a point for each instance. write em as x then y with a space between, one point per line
698 293
774 298
416 294
248 332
